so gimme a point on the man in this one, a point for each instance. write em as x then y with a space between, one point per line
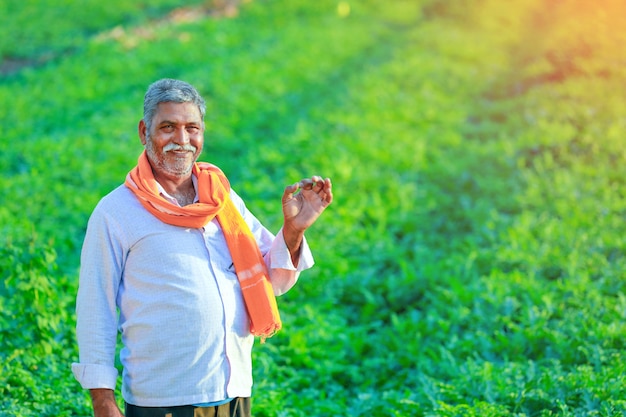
175 262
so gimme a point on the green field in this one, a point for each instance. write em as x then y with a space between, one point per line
472 263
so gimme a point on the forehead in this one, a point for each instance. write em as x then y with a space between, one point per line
177 112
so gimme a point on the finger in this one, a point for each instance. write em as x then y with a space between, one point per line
318 183
307 183
289 191
328 197
293 187
328 189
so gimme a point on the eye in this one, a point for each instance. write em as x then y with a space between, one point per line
167 128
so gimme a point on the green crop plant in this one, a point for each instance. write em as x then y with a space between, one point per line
472 262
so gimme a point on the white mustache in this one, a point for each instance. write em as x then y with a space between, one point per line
175 147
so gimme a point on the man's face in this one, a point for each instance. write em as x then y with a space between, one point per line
175 139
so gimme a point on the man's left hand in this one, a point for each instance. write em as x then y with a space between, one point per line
302 209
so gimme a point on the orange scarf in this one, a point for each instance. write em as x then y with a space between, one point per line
214 196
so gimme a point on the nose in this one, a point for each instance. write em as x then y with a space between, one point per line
181 137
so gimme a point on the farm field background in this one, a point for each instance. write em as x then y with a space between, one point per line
473 261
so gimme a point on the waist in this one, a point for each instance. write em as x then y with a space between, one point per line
236 407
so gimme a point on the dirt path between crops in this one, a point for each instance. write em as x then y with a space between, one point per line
216 9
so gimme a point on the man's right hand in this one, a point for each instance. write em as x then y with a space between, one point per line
104 404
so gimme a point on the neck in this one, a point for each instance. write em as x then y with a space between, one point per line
181 188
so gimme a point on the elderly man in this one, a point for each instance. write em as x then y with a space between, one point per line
174 261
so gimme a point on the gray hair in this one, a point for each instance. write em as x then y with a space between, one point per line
169 90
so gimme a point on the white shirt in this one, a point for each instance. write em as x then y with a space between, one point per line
182 318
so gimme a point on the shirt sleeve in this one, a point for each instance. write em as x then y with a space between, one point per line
94 375
96 311
283 273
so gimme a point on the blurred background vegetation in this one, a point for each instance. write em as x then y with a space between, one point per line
472 263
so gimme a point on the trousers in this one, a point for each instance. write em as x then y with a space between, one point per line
238 407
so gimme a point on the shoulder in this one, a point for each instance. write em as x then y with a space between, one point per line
121 198
214 169
201 169
120 206
209 167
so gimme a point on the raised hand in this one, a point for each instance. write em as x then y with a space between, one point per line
302 209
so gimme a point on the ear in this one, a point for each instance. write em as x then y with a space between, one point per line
142 132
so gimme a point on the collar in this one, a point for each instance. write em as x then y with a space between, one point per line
171 199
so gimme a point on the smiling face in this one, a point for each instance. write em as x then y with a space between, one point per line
175 139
